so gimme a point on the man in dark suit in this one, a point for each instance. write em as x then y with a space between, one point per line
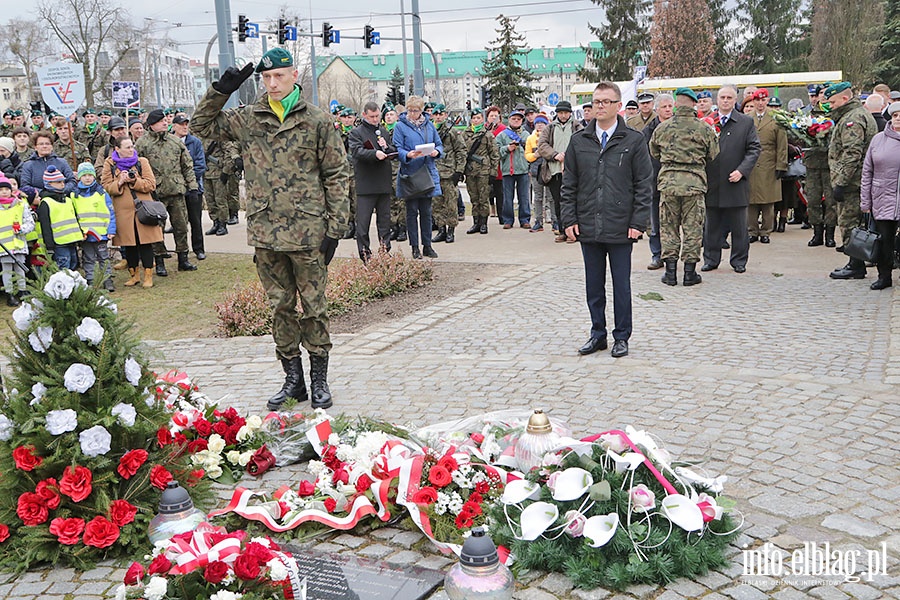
607 187
729 190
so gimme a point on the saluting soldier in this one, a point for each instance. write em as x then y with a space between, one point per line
482 162
451 167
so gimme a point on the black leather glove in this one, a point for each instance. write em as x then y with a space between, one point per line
232 79
837 192
457 177
329 245
238 165
192 195
223 177
780 174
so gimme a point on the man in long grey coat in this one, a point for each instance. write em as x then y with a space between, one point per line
729 190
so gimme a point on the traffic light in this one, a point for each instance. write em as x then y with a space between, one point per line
326 34
282 26
242 28
485 97
468 105
367 36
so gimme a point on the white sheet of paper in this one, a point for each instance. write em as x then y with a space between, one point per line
425 148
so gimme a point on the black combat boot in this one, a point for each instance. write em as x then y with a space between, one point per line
829 237
232 218
393 232
451 235
476 226
318 374
818 232
441 235
855 269
781 223
184 264
416 253
223 229
161 266
670 277
215 227
401 233
691 276
294 384
483 229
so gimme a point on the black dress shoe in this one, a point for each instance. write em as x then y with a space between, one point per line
763 239
201 255
880 284
619 349
754 238
709 267
740 269
592 346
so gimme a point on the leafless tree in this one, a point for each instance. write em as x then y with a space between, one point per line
25 40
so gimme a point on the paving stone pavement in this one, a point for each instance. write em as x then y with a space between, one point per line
786 384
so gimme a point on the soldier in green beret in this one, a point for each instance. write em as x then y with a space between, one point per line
347 118
297 175
451 165
37 120
482 162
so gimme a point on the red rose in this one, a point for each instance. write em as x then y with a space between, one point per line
48 489
307 488
363 483
163 437
121 512
197 445
4 533
134 574
220 427
231 435
259 552
330 504
477 438
215 572
195 476
464 521
246 567
25 458
439 476
159 566
180 439
130 462
449 463
203 427
340 476
482 487
427 495
67 531
32 509
180 419
76 483
231 414
100 533
160 476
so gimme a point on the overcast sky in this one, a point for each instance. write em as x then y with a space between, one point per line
455 25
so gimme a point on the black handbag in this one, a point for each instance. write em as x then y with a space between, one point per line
864 243
150 212
415 184
796 170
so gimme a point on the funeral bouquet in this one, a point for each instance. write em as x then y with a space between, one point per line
812 130
211 563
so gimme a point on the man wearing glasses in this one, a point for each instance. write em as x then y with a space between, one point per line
607 187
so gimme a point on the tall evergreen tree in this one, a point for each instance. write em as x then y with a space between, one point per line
624 41
774 33
887 67
504 75
725 36
681 39
853 50
395 88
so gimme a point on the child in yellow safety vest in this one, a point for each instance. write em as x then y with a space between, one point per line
97 219
59 225
15 222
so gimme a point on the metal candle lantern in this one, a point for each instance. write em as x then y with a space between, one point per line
479 574
176 514
538 439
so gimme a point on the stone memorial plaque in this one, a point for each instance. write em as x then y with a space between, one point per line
343 577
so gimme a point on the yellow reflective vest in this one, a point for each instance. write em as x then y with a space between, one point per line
8 237
92 213
63 222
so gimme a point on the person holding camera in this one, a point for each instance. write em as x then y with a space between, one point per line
127 177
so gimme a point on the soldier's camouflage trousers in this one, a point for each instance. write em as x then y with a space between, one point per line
233 194
444 206
479 188
818 184
352 194
177 209
849 215
284 276
398 211
681 215
217 198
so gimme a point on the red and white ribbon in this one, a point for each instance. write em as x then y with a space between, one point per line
200 551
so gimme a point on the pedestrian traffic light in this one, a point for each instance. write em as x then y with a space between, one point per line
367 36
282 30
326 34
242 28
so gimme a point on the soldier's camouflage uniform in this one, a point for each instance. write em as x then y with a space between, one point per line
171 163
481 169
64 151
683 145
818 185
94 140
234 192
452 161
219 161
853 129
351 190
297 177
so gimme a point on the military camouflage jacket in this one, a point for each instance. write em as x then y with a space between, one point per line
296 172
683 145
453 160
64 151
220 157
171 163
854 128
486 159
94 141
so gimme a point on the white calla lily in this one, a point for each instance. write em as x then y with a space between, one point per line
626 462
600 529
573 483
520 490
683 512
536 518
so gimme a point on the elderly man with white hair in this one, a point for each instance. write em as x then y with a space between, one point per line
875 105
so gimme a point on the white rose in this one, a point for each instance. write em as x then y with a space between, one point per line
156 588
79 280
41 339
214 472
37 391
243 434
254 422
245 458
277 570
6 428
79 378
233 457
90 331
95 441
24 315
125 412
104 301
61 421
216 443
60 285
133 372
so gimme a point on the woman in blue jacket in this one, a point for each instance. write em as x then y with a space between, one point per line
32 171
412 129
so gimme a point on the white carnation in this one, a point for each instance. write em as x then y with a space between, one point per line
60 285
24 315
79 378
149 399
277 570
41 338
90 331
104 301
61 421
133 372
95 441
37 392
224 595
6 428
156 588
125 412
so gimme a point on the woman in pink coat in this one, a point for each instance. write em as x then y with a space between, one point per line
880 192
